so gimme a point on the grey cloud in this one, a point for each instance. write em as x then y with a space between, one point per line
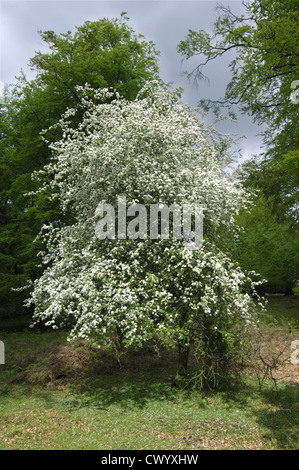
164 22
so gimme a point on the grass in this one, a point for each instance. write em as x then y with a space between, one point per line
61 397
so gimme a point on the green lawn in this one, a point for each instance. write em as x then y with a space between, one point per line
54 396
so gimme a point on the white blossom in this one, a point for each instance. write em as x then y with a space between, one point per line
153 150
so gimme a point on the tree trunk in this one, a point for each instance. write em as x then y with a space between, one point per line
182 366
288 290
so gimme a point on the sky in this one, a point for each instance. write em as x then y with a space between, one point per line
165 23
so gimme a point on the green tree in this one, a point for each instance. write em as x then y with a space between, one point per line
265 42
139 286
265 70
278 179
269 247
103 53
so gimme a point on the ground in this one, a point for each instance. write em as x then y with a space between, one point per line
61 396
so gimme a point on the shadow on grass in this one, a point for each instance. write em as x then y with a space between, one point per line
84 379
276 411
124 391
281 417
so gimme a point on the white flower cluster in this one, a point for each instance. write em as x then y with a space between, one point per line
151 150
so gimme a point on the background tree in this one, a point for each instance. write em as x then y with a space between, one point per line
103 53
265 42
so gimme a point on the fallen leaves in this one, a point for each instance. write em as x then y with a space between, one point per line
213 435
36 429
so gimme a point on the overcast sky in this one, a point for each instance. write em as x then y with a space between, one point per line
165 23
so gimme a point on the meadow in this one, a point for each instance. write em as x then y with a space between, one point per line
58 396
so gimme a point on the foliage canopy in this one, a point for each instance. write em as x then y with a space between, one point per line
103 53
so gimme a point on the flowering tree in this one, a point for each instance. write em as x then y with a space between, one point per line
151 150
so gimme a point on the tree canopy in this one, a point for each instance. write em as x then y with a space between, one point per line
265 69
265 42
